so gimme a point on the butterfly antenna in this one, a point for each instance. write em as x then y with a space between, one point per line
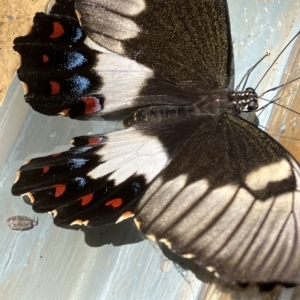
278 104
277 59
246 76
278 87
260 110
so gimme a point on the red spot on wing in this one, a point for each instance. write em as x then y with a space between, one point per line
46 169
55 87
45 58
58 30
94 141
115 203
86 199
59 189
92 105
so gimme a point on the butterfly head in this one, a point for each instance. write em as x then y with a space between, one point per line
245 101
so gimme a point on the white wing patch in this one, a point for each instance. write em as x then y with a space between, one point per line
115 25
126 7
275 172
242 235
113 19
123 78
130 152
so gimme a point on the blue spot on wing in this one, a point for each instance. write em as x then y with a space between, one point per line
76 163
81 181
78 35
79 84
80 150
74 60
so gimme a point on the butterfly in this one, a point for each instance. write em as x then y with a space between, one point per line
195 176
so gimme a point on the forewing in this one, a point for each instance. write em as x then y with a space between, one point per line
183 41
100 179
229 200
96 182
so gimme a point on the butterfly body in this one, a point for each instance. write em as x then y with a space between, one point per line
193 174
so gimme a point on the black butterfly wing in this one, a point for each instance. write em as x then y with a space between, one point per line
158 56
229 200
57 66
173 38
98 181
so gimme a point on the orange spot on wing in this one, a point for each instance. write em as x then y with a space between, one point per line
86 199
17 176
45 58
58 30
124 216
59 189
65 112
91 105
115 203
56 154
46 169
94 141
127 214
55 87
80 222
30 196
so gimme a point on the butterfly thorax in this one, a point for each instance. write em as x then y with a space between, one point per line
215 105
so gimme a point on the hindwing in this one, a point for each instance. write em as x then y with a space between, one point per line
121 71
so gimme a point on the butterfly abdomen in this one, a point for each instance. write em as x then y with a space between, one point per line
159 114
208 105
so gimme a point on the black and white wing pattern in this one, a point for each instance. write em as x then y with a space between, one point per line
82 80
195 176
